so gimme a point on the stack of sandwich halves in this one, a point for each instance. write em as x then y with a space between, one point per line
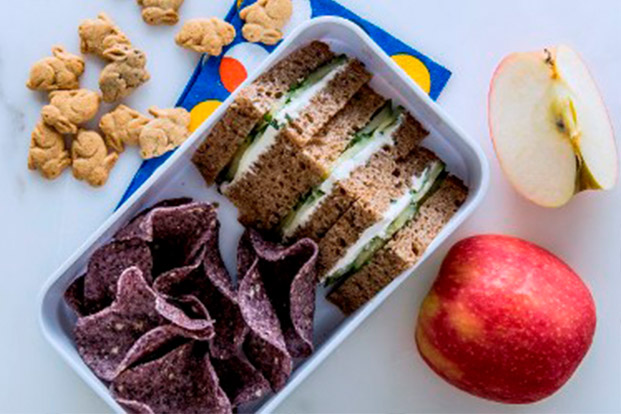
310 150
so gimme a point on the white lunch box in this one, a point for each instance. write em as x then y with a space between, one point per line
178 177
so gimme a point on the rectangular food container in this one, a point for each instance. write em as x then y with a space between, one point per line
178 177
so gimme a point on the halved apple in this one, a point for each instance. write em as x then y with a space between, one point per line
550 128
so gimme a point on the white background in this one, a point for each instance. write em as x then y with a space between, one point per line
377 368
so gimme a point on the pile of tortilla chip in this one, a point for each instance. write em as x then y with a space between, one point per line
162 322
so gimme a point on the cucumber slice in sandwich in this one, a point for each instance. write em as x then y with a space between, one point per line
229 172
386 117
283 112
398 215
370 139
315 77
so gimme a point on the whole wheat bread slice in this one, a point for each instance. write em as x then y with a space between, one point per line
220 145
362 180
409 134
377 185
329 101
404 250
329 143
276 81
284 173
251 105
264 195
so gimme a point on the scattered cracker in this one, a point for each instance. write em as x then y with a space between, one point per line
47 152
156 12
126 72
100 34
206 35
60 71
122 127
91 161
68 110
167 131
265 20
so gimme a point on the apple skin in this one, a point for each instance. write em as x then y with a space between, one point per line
505 320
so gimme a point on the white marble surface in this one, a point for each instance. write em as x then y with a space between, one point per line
377 368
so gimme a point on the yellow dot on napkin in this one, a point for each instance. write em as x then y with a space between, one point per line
201 112
415 70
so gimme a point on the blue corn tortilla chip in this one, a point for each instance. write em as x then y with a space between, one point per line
208 280
265 345
104 338
133 229
74 296
134 407
175 234
189 314
246 256
290 279
180 232
181 381
153 344
150 296
240 380
156 343
105 267
223 300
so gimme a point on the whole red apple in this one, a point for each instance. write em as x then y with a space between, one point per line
505 320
